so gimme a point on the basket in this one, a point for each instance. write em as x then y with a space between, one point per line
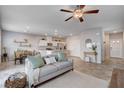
16 80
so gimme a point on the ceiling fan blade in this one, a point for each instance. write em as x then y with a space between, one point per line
91 12
63 10
68 18
81 19
82 6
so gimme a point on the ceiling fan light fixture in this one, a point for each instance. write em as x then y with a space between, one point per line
78 13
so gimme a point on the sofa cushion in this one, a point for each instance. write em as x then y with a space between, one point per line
52 59
61 56
47 69
54 55
36 61
62 64
47 60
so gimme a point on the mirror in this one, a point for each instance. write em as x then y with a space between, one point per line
88 43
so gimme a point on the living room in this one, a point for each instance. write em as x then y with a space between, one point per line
89 52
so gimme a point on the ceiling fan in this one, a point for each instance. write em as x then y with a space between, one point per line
78 12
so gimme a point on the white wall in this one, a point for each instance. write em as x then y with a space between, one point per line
0 46
76 44
103 45
8 41
96 36
73 44
123 45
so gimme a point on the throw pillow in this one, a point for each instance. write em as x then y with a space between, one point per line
61 56
52 59
47 60
36 61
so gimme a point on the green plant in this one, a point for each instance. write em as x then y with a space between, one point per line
94 47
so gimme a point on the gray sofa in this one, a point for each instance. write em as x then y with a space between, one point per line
46 72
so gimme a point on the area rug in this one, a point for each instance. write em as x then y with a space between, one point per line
74 79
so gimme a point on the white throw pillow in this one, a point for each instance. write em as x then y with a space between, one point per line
52 59
47 60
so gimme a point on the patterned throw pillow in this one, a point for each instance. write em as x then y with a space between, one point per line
50 60
47 60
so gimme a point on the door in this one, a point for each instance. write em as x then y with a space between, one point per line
116 48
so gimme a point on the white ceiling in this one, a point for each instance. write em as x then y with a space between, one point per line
46 19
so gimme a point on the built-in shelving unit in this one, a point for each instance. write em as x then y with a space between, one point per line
52 43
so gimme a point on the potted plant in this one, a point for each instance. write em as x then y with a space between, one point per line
94 47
